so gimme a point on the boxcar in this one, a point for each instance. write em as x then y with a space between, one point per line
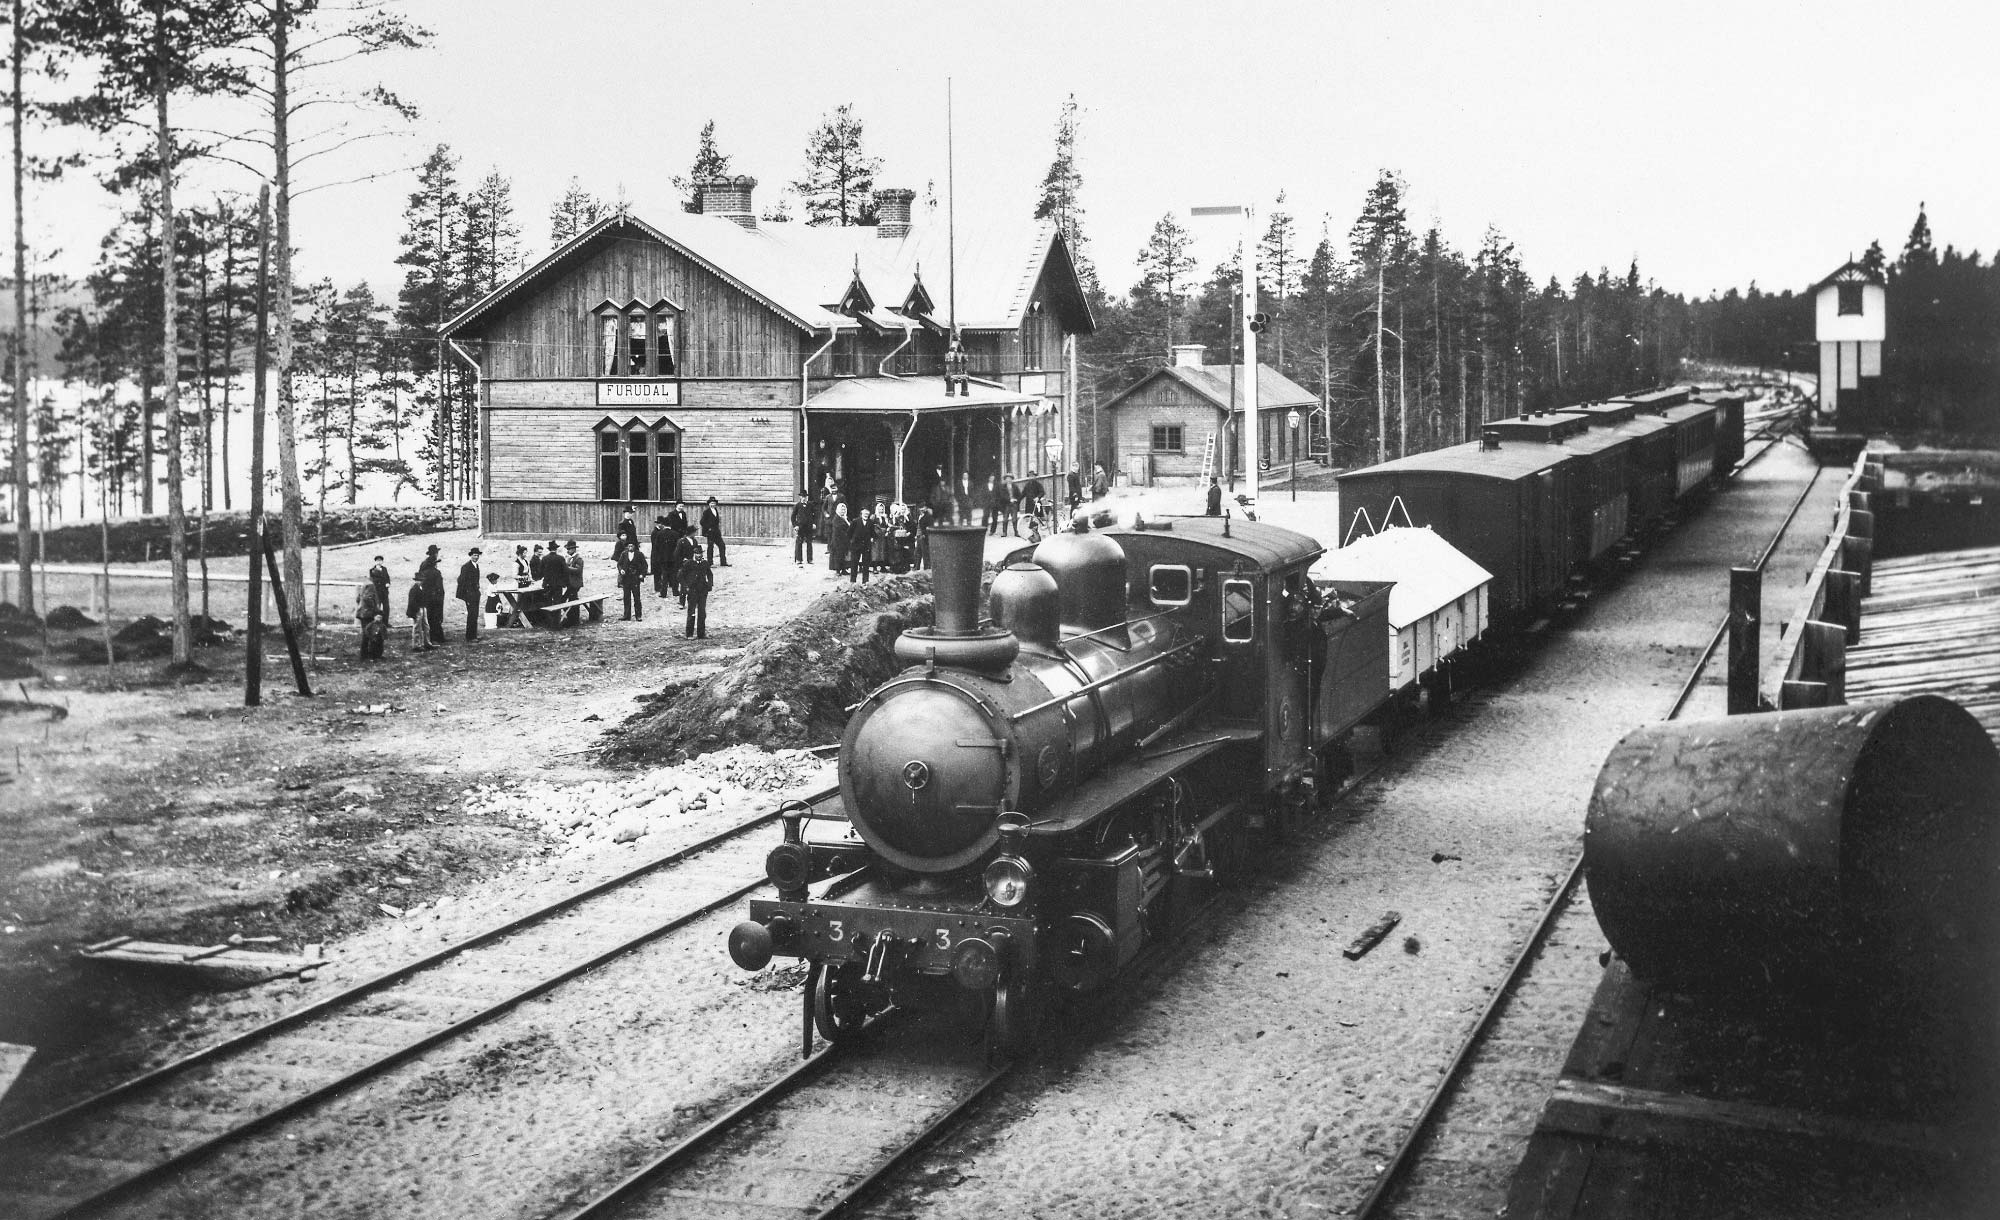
1601 506
1649 458
1694 430
1506 505
1728 427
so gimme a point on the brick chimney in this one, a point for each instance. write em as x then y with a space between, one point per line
1188 355
729 198
892 211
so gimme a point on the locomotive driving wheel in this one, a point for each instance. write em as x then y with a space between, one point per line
841 1005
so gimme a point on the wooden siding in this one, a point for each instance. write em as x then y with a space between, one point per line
762 393
723 332
1165 402
598 520
550 452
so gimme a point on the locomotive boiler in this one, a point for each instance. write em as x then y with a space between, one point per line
1035 799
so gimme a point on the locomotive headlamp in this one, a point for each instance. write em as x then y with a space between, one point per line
1008 880
789 866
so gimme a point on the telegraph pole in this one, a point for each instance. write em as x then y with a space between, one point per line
1253 322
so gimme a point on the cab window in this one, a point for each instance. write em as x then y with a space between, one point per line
1170 584
1239 606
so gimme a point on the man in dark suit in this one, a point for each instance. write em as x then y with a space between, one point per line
628 530
555 577
805 523
686 547
468 592
677 520
1214 497
697 578
662 540
431 577
861 547
632 580
573 586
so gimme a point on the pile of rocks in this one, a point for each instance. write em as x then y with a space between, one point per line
734 783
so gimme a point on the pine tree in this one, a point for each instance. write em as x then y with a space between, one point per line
839 183
1062 188
1166 269
146 57
433 292
576 211
709 162
491 240
1278 270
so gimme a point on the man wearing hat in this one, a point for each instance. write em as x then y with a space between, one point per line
573 565
431 577
555 578
468 592
662 539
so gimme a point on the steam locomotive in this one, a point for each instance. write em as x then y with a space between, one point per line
1035 799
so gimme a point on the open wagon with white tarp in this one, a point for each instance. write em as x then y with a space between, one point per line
1439 607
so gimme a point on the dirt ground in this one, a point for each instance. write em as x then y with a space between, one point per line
137 802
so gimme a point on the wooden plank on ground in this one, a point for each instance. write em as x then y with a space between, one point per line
1650 1116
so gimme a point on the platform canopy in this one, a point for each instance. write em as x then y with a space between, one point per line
921 395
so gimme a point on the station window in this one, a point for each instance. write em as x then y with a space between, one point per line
1167 438
1239 611
1170 584
637 342
1850 298
638 462
1034 338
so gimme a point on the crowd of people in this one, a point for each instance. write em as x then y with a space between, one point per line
681 552
548 582
894 536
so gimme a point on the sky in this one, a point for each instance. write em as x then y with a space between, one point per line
1716 143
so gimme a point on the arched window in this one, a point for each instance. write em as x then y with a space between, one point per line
634 340
637 461
1034 337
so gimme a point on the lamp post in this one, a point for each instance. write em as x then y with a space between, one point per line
1292 422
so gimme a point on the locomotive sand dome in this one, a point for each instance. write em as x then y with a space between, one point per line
977 725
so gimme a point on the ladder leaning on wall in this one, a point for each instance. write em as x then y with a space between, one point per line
1208 458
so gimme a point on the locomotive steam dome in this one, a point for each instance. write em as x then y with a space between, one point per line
1089 571
1024 601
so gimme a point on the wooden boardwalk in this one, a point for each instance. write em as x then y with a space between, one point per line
1932 625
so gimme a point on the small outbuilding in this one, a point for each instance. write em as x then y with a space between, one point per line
1177 424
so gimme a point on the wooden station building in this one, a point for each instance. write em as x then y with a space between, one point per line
1174 425
706 354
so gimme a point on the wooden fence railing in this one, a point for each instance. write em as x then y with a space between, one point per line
1809 667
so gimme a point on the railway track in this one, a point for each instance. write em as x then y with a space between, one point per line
115 1144
1560 952
816 1140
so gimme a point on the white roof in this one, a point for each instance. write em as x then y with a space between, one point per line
1429 572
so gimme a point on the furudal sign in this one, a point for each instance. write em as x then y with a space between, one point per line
638 393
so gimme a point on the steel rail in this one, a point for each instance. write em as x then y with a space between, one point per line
798 1074
124 1187
1418 1135
397 974
867 1184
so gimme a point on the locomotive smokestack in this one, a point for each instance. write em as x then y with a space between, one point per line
1489 438
956 553
955 636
